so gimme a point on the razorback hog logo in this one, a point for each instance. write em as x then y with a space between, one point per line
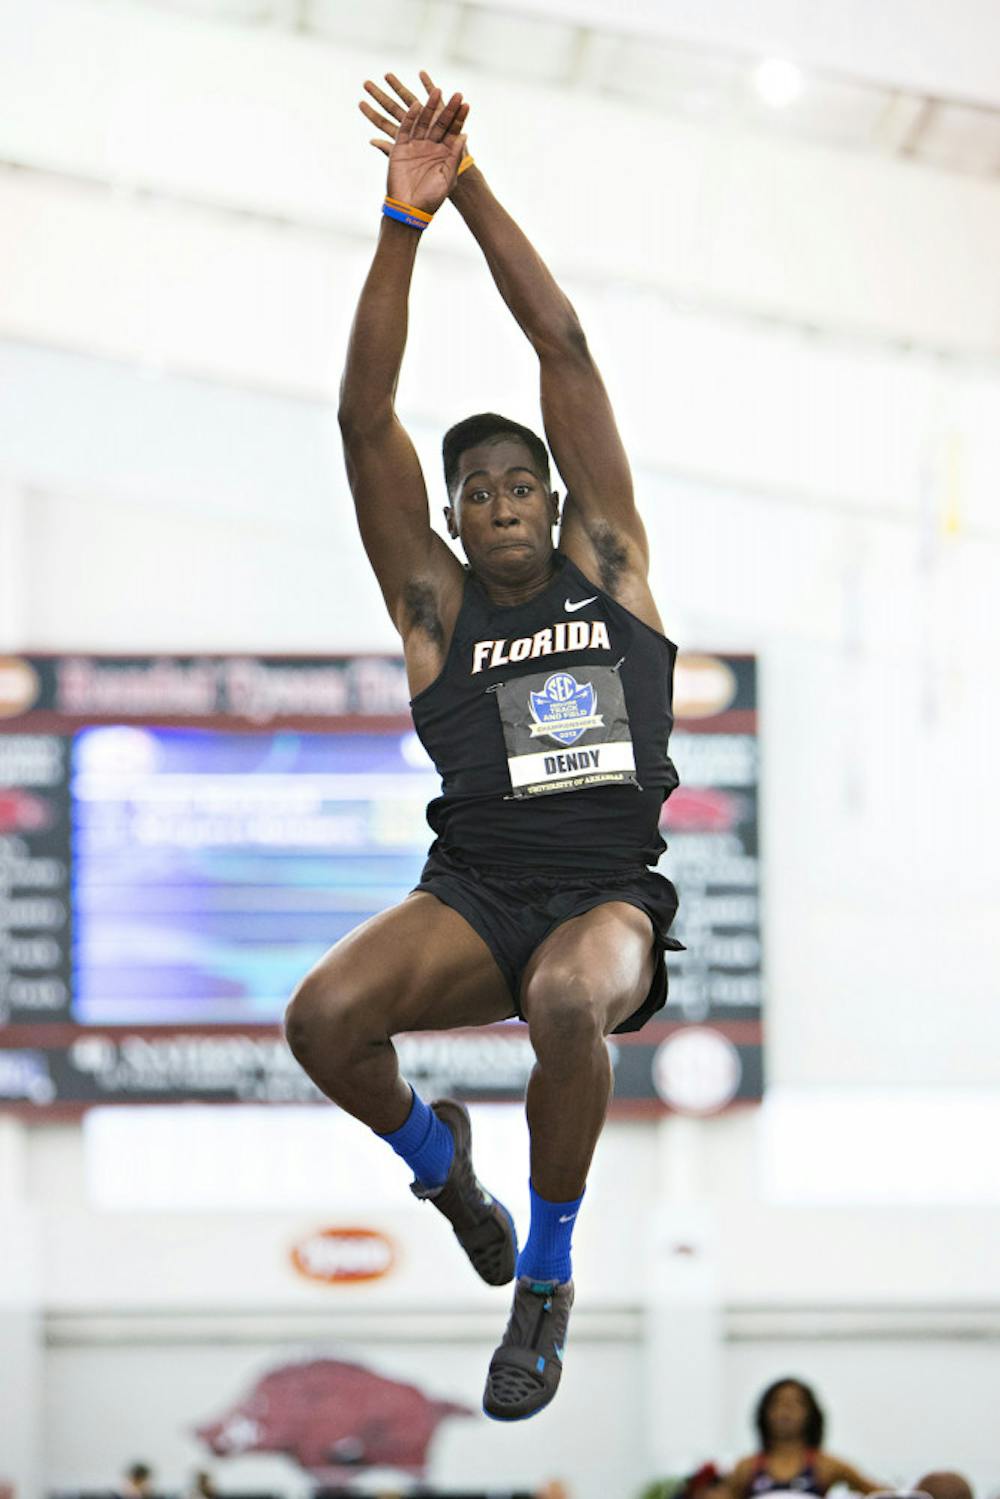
328 1415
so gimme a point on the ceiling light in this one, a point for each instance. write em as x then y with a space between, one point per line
778 82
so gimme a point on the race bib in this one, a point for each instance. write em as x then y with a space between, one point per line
565 733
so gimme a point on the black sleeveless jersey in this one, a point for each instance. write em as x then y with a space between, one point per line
548 725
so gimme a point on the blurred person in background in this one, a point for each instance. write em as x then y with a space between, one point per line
790 1424
943 1484
707 1482
202 1486
537 899
137 1481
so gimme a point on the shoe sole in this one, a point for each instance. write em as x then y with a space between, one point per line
514 1389
510 1420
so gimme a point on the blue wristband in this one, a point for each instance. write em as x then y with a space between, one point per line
402 217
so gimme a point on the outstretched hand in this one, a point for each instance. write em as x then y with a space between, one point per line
424 158
389 123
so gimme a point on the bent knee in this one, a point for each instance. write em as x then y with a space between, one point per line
326 1010
564 1010
306 1013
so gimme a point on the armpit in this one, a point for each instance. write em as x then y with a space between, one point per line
420 607
612 555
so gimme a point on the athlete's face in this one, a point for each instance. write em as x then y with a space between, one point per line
787 1413
502 510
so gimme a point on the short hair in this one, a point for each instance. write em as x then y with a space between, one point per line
945 1485
815 1420
487 426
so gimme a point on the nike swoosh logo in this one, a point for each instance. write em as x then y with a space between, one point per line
567 1217
572 608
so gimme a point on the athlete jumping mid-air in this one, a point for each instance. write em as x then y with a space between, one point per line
541 683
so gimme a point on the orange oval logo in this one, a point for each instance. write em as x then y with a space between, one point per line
336 1255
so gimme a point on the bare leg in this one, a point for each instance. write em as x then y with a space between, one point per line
587 976
419 966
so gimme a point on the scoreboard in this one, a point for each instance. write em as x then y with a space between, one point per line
181 838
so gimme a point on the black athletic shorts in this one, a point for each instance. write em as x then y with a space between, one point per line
514 912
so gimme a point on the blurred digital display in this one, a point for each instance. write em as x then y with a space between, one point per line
183 837
212 869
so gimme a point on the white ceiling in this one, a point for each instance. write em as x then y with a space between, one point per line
916 78
150 146
946 48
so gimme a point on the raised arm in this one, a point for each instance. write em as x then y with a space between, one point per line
410 560
579 423
600 519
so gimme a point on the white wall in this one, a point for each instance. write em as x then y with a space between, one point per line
901 1406
21 1361
693 1292
158 1321
191 1382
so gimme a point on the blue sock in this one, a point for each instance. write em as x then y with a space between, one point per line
546 1255
425 1143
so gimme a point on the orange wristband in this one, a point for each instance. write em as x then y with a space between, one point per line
405 213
